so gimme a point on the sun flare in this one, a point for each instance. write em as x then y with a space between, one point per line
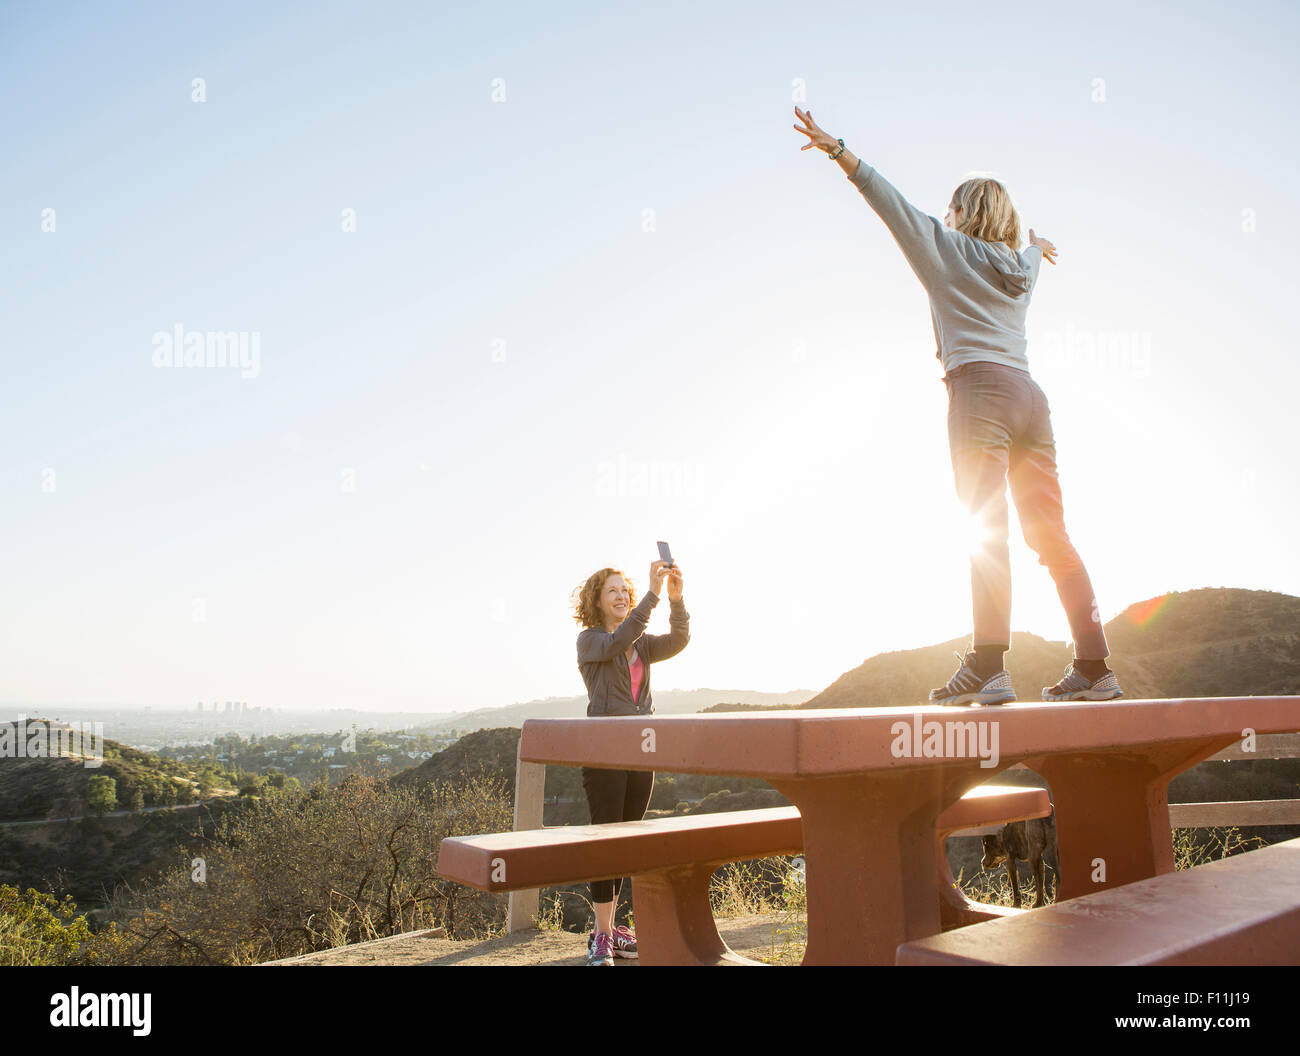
976 534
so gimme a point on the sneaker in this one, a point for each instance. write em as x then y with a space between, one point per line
1075 686
621 938
966 687
624 942
600 951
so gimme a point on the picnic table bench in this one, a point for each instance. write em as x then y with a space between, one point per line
672 859
1239 910
869 811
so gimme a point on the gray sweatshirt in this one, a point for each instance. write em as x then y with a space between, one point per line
979 291
602 657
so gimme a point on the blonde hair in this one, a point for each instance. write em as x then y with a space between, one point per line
987 211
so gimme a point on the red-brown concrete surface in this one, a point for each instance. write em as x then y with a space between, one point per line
869 813
672 859
1241 910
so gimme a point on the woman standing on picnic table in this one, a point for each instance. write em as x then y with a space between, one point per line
614 656
999 425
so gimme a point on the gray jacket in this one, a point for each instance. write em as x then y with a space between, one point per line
979 291
602 657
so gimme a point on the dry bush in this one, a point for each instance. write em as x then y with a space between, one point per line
305 871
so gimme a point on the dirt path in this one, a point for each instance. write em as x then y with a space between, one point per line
97 817
751 936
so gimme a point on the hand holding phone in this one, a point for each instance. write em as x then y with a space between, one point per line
674 574
658 572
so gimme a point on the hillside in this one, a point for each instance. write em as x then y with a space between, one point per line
491 752
89 858
1216 641
1199 643
1209 643
57 787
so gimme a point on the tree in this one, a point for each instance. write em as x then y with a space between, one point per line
101 794
252 785
136 801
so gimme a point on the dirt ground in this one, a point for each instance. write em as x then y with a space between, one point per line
751 936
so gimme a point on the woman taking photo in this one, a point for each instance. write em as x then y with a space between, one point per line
614 656
999 426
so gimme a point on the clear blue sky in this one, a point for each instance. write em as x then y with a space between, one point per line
613 304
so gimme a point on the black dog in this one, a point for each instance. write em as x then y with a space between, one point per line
1032 841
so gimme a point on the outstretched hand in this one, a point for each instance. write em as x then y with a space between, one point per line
816 137
1049 250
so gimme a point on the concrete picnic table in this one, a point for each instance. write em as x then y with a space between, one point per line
870 783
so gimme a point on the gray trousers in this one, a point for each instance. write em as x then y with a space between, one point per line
1000 432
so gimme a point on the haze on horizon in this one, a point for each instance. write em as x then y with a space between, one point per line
596 296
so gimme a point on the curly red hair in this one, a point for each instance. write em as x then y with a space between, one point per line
586 611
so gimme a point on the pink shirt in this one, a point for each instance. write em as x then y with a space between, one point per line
637 670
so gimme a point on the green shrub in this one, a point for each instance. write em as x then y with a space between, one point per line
101 794
38 929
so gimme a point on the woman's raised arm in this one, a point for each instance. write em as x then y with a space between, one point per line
662 646
921 237
596 644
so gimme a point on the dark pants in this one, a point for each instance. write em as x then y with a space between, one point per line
615 795
1000 431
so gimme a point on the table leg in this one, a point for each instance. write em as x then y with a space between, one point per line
1112 812
869 846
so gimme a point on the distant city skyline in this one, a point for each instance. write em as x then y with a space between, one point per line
345 345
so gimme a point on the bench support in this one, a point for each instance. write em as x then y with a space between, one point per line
675 919
955 909
530 791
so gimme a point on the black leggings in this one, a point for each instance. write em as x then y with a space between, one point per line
615 795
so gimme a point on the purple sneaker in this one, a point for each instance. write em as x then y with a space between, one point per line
600 951
624 942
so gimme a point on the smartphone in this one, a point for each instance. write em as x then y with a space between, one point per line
665 554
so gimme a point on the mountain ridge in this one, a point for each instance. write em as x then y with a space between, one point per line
1208 642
